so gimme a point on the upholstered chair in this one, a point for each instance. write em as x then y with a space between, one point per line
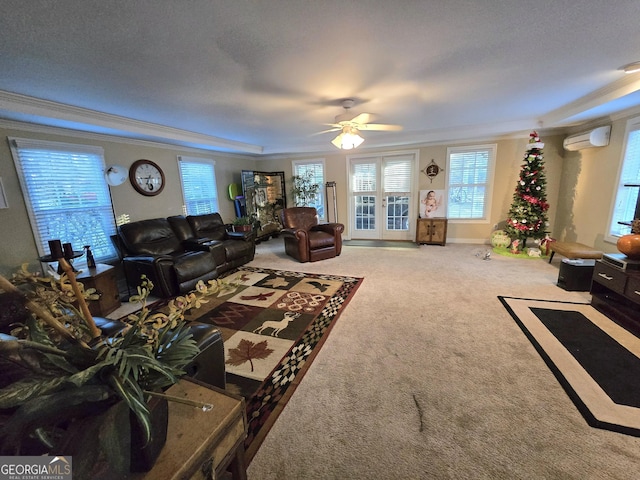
305 239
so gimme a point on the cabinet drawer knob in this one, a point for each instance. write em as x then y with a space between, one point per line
605 276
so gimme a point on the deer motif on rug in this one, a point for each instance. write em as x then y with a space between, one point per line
277 326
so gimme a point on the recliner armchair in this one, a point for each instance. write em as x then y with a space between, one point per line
151 247
305 239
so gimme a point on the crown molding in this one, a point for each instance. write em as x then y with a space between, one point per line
613 91
26 105
104 137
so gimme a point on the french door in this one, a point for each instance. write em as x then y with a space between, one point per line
381 196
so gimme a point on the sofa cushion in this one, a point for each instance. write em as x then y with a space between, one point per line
149 237
208 226
194 265
181 227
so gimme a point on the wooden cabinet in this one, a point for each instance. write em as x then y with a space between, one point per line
432 231
616 293
103 279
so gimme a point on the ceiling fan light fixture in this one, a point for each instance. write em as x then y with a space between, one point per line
348 139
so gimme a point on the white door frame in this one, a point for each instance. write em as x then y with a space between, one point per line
380 232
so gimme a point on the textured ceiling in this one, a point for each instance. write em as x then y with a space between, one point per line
261 77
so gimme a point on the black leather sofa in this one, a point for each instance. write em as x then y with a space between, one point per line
209 233
175 256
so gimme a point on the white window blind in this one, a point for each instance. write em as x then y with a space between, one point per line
397 175
469 173
199 189
316 169
364 177
66 194
624 210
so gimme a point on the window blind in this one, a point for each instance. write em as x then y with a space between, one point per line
626 197
66 194
468 183
397 175
364 177
199 189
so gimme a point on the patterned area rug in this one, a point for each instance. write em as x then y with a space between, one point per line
594 359
273 325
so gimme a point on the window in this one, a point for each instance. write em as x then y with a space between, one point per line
314 168
66 194
199 190
469 181
627 195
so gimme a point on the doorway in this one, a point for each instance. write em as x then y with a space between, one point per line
382 196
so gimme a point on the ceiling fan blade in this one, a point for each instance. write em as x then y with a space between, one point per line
380 126
334 129
362 118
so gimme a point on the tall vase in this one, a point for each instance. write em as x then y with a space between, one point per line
630 245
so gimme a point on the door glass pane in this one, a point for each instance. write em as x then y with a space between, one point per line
365 212
397 212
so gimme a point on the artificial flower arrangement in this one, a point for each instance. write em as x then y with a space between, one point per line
56 366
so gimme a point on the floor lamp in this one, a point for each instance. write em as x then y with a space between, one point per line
332 186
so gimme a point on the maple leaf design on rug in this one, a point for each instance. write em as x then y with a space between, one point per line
247 351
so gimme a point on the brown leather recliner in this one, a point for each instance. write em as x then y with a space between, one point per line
305 239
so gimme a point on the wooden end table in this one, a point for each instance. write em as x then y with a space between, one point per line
103 279
202 445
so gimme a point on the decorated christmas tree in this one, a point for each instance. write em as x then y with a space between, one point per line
527 216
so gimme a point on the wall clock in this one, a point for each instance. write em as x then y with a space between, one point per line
146 177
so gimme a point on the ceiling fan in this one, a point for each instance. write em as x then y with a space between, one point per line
350 127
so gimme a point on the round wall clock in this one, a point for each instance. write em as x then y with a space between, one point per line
146 177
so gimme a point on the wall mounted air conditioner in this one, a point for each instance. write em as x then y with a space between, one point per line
598 137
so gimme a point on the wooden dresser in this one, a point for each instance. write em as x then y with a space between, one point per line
616 293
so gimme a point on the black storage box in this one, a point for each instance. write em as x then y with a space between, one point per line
575 275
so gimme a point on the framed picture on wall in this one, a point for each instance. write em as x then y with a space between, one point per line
432 203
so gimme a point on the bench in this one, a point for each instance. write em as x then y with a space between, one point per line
573 250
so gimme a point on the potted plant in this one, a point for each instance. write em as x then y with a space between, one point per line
242 224
305 189
60 377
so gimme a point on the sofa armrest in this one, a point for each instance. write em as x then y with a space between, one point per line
297 233
246 236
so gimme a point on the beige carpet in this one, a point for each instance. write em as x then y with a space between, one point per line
426 375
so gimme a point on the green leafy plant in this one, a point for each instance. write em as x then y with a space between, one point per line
242 221
53 371
305 189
